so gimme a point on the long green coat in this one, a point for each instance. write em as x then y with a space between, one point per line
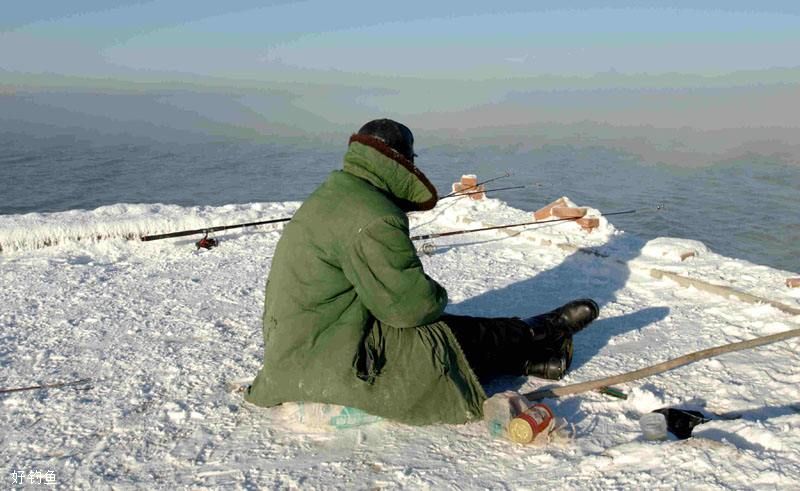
350 317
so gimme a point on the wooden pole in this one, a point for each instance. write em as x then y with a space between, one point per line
659 368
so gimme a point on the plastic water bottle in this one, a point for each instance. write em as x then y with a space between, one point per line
654 426
500 409
351 417
324 416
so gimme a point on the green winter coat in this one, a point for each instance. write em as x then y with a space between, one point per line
350 317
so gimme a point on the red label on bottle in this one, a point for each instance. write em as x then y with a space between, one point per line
538 417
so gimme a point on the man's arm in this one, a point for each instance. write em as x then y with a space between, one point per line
384 268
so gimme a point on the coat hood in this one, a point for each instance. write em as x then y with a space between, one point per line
373 160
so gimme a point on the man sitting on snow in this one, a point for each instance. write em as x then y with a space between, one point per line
351 318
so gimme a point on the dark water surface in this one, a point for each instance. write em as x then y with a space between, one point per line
748 209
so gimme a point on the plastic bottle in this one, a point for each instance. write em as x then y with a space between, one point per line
351 417
654 426
319 415
500 409
529 424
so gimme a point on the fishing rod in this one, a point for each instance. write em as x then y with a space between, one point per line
82 381
454 193
496 227
205 242
461 193
208 230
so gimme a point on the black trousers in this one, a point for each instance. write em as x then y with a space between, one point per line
495 345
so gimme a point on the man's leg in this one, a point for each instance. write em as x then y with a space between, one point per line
495 346
539 346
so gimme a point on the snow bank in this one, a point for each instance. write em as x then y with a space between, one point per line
125 221
161 329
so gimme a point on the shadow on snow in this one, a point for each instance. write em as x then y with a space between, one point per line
582 274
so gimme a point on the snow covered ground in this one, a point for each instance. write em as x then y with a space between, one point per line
160 329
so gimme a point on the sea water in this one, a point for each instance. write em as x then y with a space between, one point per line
748 208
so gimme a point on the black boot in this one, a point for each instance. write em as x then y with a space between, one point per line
566 320
552 333
552 361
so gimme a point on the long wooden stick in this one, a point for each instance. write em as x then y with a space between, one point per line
722 290
47 386
661 367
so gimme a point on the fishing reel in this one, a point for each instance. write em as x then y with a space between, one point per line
206 242
428 249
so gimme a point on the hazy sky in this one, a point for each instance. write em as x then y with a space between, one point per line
288 67
419 39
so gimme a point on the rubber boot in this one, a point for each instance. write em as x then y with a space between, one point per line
553 361
552 332
566 320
